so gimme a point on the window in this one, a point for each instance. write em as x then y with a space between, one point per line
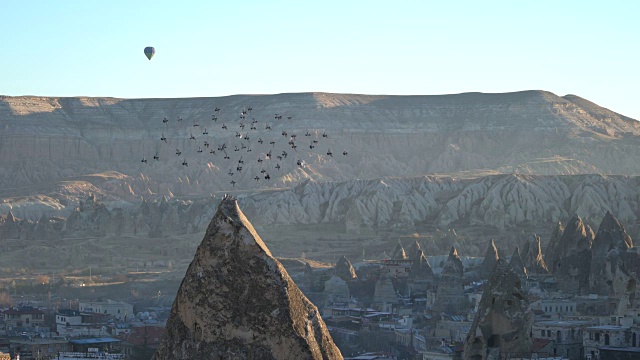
541 332
597 336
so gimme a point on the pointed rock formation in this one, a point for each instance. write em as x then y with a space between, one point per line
453 265
450 297
572 257
490 258
503 323
237 301
532 256
345 270
556 235
420 268
336 290
384 292
398 252
517 264
609 274
577 236
11 227
414 251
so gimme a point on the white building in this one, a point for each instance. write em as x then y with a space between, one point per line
73 323
118 309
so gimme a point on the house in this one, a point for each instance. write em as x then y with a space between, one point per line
555 307
101 344
37 348
397 268
619 353
566 337
118 309
595 337
24 317
141 338
74 323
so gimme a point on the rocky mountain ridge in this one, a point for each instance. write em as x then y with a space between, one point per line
501 202
48 139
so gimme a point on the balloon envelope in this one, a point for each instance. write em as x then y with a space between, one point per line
149 51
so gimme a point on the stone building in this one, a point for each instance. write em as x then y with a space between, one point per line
595 337
565 335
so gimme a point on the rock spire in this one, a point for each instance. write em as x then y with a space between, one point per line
237 301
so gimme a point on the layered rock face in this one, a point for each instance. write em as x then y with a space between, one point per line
237 302
503 323
45 140
501 201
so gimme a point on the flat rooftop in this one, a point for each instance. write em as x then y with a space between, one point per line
563 323
608 327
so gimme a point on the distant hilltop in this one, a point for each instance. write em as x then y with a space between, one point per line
46 140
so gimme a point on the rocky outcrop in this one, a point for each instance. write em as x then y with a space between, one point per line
503 323
237 302
609 273
489 261
532 256
420 268
556 235
450 297
440 200
384 293
572 257
345 270
398 252
453 266
336 290
11 227
501 201
517 264
414 251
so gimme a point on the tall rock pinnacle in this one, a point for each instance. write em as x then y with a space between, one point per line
237 302
503 323
490 259
344 269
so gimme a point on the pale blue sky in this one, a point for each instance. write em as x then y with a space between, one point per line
215 48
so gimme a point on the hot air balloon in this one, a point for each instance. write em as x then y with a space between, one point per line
149 51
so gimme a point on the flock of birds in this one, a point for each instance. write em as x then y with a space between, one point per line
249 134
